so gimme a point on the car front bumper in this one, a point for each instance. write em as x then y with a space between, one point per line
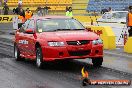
72 52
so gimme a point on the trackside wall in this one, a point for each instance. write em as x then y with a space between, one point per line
106 34
128 46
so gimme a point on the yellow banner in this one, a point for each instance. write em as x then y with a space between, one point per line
86 18
6 18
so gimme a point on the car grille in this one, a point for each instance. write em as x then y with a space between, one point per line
81 42
79 53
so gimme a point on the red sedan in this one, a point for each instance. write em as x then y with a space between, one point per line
55 38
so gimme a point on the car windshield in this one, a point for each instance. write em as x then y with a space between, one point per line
116 15
119 15
58 25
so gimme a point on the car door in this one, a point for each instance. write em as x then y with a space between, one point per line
30 38
21 38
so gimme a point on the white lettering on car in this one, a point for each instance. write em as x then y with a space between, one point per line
23 41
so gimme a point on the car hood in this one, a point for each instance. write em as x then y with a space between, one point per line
68 35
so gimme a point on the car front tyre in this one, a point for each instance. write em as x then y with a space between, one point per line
39 58
97 62
17 53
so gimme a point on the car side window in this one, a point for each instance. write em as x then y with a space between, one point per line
31 25
24 26
39 26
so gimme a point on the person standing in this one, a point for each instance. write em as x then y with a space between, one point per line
46 10
17 9
104 10
129 21
39 11
28 14
20 2
0 6
6 9
21 17
67 8
69 12
109 9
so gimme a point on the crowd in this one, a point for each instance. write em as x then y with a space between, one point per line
23 14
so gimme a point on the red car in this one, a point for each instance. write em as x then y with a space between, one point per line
55 38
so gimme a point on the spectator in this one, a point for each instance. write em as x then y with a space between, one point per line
129 21
106 10
46 10
28 14
6 9
69 12
109 9
0 2
103 11
22 12
5 1
39 11
21 17
67 9
20 2
0 6
17 10
14 11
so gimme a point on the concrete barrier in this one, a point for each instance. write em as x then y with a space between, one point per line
106 34
128 45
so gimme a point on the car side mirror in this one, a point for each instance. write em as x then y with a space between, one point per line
29 31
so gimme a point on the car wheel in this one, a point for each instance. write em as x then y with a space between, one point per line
17 53
97 62
39 57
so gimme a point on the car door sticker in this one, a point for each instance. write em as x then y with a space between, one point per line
23 41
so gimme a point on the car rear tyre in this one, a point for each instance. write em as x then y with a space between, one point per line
17 53
39 58
97 62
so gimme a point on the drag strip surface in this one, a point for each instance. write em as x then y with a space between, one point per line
60 74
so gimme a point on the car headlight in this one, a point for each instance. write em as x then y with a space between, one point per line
98 41
94 42
56 43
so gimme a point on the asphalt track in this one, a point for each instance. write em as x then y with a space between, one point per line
60 74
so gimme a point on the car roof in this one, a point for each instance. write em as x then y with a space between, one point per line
50 17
